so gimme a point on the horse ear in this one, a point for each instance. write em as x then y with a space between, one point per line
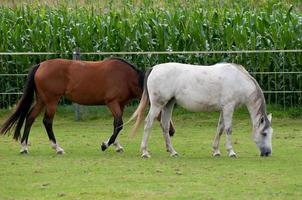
269 117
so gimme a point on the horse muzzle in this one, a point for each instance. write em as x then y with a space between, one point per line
265 152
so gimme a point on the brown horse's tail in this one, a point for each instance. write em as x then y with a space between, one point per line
16 120
139 112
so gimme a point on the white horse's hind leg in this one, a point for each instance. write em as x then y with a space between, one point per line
153 113
227 119
165 123
219 132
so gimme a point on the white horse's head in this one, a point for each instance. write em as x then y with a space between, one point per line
262 135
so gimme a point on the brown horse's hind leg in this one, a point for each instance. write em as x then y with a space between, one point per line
30 118
48 121
117 112
171 128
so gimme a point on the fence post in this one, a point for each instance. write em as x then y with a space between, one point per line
78 117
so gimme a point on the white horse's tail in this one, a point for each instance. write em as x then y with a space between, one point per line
139 112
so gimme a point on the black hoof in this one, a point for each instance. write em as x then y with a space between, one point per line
121 150
24 152
103 146
60 152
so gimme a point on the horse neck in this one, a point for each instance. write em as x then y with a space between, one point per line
256 106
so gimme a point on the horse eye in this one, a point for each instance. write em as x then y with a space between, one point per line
264 134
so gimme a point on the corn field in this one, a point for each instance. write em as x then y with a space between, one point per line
159 26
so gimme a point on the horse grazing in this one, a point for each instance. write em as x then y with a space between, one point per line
221 87
112 82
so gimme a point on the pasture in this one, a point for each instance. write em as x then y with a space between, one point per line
85 172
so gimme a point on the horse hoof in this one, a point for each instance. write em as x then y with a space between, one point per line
233 155
104 146
145 156
60 152
24 152
174 155
120 150
216 154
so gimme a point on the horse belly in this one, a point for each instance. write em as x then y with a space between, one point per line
197 105
88 94
85 98
196 94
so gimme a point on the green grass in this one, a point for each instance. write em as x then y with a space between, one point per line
85 172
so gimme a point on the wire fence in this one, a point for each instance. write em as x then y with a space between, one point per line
282 77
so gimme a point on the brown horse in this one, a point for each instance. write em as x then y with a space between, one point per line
112 82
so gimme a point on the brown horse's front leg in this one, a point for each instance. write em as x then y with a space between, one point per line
118 126
171 129
117 111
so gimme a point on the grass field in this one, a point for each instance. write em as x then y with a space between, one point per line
85 172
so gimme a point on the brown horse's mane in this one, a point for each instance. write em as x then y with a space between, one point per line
141 73
123 60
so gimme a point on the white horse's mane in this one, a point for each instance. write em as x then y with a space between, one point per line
258 94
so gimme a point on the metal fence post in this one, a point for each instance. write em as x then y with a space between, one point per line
78 117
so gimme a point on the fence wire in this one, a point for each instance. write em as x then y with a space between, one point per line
272 90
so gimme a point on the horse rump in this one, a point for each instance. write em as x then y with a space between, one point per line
16 120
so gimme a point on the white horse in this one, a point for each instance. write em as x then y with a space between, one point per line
221 87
